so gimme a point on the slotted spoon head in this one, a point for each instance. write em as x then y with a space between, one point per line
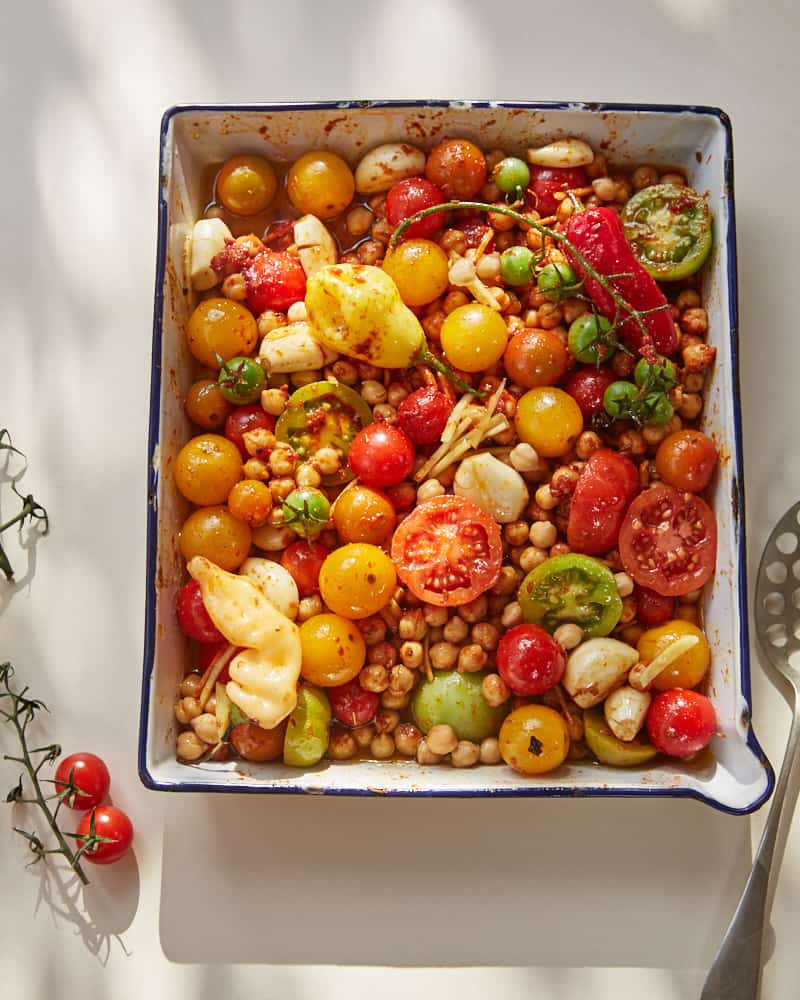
777 610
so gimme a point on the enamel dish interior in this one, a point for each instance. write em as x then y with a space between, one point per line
738 778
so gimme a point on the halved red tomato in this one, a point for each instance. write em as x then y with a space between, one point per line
447 551
607 484
668 541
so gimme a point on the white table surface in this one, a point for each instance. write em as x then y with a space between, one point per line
547 899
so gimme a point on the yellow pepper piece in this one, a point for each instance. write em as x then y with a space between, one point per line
356 309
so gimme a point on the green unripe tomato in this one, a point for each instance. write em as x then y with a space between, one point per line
457 700
585 339
659 411
664 372
618 398
515 265
241 380
511 175
557 282
306 511
308 729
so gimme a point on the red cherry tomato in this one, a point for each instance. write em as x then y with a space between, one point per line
108 822
89 774
546 181
274 280
381 455
193 618
529 660
668 541
587 385
402 497
607 484
653 609
410 196
475 231
244 419
351 704
686 459
207 653
447 551
680 723
423 414
304 561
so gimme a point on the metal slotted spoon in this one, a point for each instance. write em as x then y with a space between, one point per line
736 971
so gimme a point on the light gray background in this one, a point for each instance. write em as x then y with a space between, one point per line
636 892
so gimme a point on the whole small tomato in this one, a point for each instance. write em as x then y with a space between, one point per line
423 414
458 167
652 608
194 620
89 774
304 560
536 357
352 705
381 455
410 196
587 386
274 280
547 181
245 419
529 660
686 459
110 822
680 723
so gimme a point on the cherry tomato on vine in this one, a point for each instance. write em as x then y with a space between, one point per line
557 282
423 414
381 455
546 181
681 723
588 339
110 822
304 561
241 380
686 460
352 705
194 620
89 774
458 167
516 265
529 660
475 230
587 386
245 419
474 337
274 280
306 511
512 176
410 196
206 406
419 268
606 485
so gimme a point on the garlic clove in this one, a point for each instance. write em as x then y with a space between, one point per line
382 167
494 486
596 668
316 247
207 240
562 153
625 710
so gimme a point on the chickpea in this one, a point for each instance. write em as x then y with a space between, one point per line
466 754
694 322
597 168
191 685
382 746
345 372
495 690
328 461
572 309
363 735
475 610
412 625
471 658
531 557
688 298
367 372
205 726
258 442
396 393
282 461
382 231
256 468
434 615
407 738
453 241
190 747
490 751
401 679
308 607
425 755
559 549
587 444
432 324
550 315
644 176
443 655
516 533
180 713
274 401
456 629
377 204
543 534
370 251
568 636
632 443
442 739
411 654
604 188
628 610
373 392
342 745
688 612
234 287
358 220
488 267
281 488
191 707
386 720
691 406
299 379
454 300
391 700
429 489
693 382
486 635
653 434
673 177
506 582
436 634
545 499
512 615
374 677
307 475
373 629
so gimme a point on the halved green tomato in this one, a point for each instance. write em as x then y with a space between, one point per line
610 750
324 414
669 229
571 588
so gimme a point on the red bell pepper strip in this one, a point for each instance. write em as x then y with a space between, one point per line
597 234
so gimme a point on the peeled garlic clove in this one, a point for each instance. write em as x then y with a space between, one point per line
208 239
315 245
276 584
625 710
294 348
385 165
562 153
494 486
595 668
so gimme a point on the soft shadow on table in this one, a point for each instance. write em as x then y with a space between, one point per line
410 882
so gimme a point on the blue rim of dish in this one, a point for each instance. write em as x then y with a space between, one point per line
523 791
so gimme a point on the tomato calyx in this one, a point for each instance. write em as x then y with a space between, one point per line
241 379
535 747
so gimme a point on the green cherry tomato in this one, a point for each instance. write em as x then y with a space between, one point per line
669 229
662 374
557 282
512 175
612 751
585 340
619 398
515 265
306 511
241 380
571 589
457 700
658 410
308 729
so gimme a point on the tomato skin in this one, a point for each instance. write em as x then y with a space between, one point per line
681 723
529 660
244 419
686 459
108 822
410 196
668 541
220 326
423 414
304 561
352 705
381 455
447 551
607 484
549 419
546 181
89 774
653 609
402 497
194 620
256 744
587 386
205 655
274 280
475 231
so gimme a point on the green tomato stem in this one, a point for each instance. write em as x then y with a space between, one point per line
425 357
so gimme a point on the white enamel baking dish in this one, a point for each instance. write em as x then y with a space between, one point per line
739 778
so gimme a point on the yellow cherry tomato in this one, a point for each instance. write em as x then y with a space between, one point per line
334 650
474 337
549 419
215 533
689 668
361 514
534 739
357 580
250 501
207 468
419 269
220 326
320 183
246 185
206 406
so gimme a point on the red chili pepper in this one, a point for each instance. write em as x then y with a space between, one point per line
598 235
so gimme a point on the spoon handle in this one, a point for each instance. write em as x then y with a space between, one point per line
736 971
